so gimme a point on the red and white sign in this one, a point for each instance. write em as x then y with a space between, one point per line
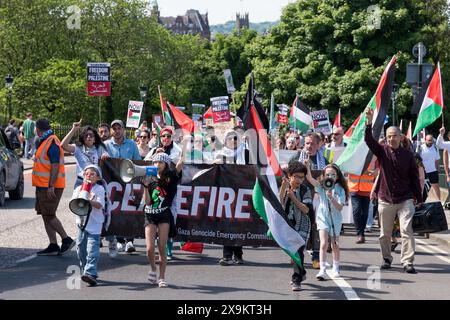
220 109
99 79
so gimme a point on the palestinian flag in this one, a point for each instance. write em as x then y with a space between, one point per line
165 111
357 156
208 114
337 120
432 103
244 111
349 132
299 118
260 148
181 120
269 208
134 115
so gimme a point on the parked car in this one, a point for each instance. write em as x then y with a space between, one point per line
11 171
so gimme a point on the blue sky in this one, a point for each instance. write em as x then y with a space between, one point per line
220 11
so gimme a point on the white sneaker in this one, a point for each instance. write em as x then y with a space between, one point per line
335 273
113 249
321 276
120 247
129 248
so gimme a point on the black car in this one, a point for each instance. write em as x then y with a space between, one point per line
11 171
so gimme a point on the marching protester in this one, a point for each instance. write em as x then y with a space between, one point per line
317 161
12 133
158 198
88 150
291 143
29 132
446 146
280 143
338 138
120 147
143 143
167 145
296 199
48 176
104 131
233 151
153 143
328 216
430 158
88 239
399 189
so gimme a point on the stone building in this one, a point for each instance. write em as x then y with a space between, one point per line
191 23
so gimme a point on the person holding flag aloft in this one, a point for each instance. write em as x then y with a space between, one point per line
399 189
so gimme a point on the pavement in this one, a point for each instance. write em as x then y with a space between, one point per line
191 276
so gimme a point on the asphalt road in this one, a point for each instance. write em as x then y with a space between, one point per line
265 274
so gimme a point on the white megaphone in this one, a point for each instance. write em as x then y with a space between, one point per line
81 205
128 171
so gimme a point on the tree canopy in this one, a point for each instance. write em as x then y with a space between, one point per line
324 50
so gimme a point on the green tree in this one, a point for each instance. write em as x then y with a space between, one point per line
328 53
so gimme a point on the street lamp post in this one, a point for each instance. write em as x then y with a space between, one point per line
9 83
394 96
143 91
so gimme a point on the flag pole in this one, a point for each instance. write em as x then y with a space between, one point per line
162 110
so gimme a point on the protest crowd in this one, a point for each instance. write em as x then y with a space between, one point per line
309 160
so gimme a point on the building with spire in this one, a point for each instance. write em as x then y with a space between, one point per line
242 21
191 23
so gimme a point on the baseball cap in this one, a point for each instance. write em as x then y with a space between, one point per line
119 122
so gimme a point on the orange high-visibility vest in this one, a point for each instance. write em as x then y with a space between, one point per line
364 182
40 176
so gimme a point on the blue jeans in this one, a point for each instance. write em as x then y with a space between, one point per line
88 250
360 207
29 147
370 216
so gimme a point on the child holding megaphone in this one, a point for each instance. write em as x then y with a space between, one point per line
88 239
333 193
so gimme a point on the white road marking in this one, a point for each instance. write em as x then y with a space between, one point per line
433 248
29 258
349 293
438 253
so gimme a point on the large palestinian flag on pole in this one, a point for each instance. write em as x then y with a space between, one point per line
299 118
268 206
181 120
432 104
265 193
357 155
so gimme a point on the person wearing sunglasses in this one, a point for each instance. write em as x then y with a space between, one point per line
338 138
166 145
153 143
234 152
88 149
143 143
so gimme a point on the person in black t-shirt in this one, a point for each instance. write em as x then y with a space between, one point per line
159 193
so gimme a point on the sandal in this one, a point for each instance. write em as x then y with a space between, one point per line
152 277
162 283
